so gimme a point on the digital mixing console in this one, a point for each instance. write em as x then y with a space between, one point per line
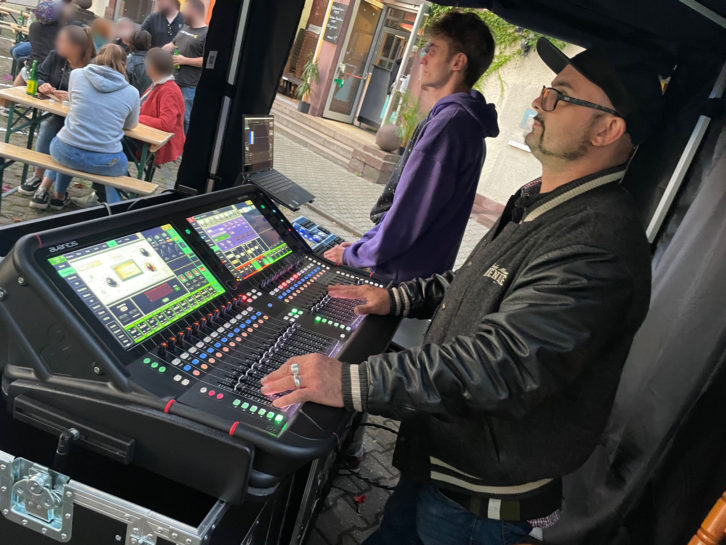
150 331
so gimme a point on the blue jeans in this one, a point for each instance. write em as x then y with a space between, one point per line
20 50
188 94
48 129
417 513
107 164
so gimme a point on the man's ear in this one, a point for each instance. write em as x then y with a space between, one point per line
459 62
608 129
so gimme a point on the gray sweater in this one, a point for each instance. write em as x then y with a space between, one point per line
103 104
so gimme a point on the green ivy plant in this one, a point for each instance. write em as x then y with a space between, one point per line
511 41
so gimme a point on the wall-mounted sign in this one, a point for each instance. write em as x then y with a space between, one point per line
335 22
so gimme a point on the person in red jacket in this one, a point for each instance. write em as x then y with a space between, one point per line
162 107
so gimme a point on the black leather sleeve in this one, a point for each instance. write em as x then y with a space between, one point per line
419 298
561 312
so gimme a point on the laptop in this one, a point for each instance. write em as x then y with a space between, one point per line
259 138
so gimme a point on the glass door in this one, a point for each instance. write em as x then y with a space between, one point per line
352 68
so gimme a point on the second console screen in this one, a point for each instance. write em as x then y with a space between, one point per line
241 237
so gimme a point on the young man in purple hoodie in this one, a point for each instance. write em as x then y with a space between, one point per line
435 182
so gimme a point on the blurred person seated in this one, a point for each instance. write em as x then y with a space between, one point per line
73 49
123 31
162 107
102 32
140 43
103 104
41 38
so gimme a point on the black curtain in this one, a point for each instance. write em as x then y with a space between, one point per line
269 35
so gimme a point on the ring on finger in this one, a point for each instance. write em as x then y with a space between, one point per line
295 369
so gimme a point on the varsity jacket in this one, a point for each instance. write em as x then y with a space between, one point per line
516 375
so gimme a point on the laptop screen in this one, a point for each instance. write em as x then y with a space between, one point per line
259 142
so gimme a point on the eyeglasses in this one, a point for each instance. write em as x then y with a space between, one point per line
549 97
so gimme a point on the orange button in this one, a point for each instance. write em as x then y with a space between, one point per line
196 373
212 360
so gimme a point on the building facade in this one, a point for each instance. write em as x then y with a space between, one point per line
359 46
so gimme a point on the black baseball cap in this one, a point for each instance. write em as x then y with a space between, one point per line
630 77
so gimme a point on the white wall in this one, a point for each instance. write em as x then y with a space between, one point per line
512 90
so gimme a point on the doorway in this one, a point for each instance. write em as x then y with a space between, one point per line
352 70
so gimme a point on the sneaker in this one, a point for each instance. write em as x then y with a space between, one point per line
60 204
87 201
29 186
40 200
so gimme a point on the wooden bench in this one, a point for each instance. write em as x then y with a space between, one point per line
9 153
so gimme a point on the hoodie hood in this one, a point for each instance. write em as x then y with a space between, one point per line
104 79
476 106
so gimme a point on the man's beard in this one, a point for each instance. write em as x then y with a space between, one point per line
165 11
539 148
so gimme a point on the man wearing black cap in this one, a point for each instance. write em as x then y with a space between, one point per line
514 382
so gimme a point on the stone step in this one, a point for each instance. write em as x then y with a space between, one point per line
318 146
289 111
291 126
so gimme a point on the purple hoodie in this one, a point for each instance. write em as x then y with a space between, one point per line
421 233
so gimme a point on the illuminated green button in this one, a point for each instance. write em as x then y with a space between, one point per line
278 419
154 364
162 369
294 311
245 405
147 360
325 321
270 415
236 402
336 324
261 412
347 328
318 318
253 409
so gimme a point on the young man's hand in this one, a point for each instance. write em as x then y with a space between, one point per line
320 381
46 89
169 47
335 254
375 300
179 60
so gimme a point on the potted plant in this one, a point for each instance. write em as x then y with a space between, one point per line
309 75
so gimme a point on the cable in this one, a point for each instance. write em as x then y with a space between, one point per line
371 482
379 426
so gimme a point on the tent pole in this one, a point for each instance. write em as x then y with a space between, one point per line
679 172
706 12
227 100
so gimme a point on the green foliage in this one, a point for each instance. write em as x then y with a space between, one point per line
309 75
511 41
408 117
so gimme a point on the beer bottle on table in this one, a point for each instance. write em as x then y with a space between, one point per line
176 52
32 86
21 19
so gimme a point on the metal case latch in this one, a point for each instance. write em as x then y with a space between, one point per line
36 497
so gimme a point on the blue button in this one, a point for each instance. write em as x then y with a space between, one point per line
269 305
187 367
195 361
279 297
216 345
203 356
236 329
259 313
224 339
210 350
248 321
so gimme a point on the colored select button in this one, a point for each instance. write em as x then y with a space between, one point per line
154 364
147 360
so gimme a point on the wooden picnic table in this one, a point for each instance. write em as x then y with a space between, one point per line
5 10
151 139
